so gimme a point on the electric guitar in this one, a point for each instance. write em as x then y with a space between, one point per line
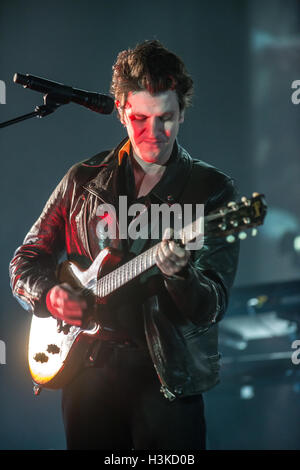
57 351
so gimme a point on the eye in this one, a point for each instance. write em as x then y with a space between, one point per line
166 117
138 118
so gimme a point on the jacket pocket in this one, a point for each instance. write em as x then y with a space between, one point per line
214 362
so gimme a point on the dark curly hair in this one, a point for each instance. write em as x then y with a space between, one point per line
150 66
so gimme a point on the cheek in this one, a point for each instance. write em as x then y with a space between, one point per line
171 130
136 130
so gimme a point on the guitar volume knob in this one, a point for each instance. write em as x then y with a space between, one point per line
36 390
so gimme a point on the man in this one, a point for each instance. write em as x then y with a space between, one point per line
161 330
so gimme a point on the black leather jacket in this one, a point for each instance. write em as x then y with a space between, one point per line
181 319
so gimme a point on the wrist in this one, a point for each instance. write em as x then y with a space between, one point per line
183 274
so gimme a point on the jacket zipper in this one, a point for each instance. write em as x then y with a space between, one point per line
85 217
85 231
164 388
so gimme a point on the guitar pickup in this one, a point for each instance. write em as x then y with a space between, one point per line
41 357
53 349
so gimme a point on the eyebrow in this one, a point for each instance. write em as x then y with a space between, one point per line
144 115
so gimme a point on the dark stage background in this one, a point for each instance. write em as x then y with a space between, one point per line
243 56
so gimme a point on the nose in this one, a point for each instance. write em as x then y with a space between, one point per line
155 127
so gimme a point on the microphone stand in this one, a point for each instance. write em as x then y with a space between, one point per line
51 103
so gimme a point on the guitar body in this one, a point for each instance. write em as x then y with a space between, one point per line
56 351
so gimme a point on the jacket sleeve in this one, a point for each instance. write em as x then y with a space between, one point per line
32 269
201 291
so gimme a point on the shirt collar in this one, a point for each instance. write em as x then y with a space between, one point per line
124 149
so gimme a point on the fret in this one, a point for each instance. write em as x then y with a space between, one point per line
125 270
135 267
122 274
99 289
148 259
117 279
106 284
114 280
152 257
103 287
144 262
141 263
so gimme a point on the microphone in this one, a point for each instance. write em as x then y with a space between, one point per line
63 94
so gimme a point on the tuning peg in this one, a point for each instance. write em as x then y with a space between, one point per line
222 226
242 235
234 223
230 238
254 232
232 205
255 194
246 201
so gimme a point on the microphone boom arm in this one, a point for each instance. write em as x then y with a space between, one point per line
50 105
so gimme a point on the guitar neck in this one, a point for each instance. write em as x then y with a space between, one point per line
141 263
125 273
222 223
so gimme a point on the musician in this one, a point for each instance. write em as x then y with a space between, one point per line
142 386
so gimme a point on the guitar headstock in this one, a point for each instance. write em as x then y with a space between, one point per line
237 217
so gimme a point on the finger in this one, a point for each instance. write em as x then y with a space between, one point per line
71 307
161 260
179 256
74 322
165 248
168 234
176 249
65 303
81 303
70 295
167 266
160 257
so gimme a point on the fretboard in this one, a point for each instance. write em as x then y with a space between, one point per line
133 268
125 273
224 222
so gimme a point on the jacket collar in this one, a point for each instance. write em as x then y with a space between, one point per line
168 189
174 179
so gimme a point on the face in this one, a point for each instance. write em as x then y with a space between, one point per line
152 123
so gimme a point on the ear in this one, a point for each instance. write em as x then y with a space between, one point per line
181 117
118 106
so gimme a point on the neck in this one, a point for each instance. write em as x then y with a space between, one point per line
147 167
146 175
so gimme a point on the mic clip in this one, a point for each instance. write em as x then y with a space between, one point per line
51 103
